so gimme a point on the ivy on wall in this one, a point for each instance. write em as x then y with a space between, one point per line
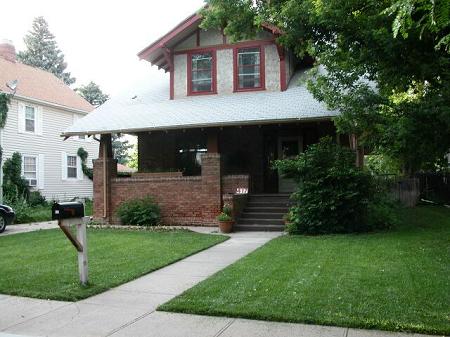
5 99
83 154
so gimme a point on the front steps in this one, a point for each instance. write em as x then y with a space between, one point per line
263 212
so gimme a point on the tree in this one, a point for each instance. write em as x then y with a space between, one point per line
393 91
93 94
120 148
42 51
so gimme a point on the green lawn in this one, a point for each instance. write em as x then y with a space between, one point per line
43 213
397 280
43 264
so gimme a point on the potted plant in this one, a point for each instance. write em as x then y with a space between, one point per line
225 220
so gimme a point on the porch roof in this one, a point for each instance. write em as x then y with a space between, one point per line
153 110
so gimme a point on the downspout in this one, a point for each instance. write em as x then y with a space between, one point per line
105 209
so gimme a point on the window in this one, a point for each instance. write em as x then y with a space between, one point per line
30 170
201 73
249 69
30 119
72 167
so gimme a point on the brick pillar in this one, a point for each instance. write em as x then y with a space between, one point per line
105 169
211 187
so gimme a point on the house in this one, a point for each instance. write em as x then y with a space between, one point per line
41 109
210 133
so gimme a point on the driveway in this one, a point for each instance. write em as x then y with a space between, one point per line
30 227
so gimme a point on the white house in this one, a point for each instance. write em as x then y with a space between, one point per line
42 108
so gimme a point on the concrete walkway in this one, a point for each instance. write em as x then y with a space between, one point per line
129 310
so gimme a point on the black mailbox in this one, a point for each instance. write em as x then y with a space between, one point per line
67 210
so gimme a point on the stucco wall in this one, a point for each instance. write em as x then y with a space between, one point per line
225 71
180 76
272 68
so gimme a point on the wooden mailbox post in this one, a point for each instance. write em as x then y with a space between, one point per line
68 214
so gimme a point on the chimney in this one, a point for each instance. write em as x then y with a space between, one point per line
7 50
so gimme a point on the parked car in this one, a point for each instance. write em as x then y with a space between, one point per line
7 216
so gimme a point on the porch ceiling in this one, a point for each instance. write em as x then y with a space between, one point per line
153 110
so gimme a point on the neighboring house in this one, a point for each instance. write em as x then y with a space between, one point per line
42 108
212 131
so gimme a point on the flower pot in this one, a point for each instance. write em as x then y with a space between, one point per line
226 226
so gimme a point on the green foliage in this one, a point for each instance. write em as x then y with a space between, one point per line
133 161
21 208
5 99
379 164
120 148
140 212
83 154
36 199
393 92
225 215
42 51
93 94
333 196
430 16
14 186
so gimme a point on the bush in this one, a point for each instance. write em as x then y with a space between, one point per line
333 196
225 215
21 208
36 199
14 186
139 212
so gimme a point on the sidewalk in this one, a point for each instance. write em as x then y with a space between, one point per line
29 227
129 310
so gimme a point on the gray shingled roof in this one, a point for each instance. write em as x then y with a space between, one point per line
153 110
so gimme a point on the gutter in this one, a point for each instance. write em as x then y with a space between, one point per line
50 104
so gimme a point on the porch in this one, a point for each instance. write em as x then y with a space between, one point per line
192 172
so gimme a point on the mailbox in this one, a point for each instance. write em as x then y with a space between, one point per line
67 210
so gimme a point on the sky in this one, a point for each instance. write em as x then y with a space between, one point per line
100 39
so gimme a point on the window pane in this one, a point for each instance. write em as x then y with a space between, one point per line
249 68
201 79
71 172
29 112
29 125
72 161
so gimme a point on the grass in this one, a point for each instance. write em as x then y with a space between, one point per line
397 280
43 264
42 213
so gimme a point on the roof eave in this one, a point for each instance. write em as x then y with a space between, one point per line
202 125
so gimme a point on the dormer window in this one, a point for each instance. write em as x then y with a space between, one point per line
202 73
249 69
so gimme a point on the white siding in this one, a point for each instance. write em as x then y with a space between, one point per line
47 145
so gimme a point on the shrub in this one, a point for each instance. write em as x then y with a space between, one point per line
139 212
21 208
333 196
14 186
36 199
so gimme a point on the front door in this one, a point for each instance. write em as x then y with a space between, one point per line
288 147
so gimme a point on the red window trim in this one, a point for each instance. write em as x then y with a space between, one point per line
189 72
262 69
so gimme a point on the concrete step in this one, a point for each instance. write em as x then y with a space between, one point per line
258 209
273 198
244 221
262 215
252 203
258 228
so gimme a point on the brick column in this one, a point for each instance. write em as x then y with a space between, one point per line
105 168
211 187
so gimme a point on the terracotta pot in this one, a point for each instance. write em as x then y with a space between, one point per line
226 226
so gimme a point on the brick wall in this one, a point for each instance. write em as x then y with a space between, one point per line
232 184
183 200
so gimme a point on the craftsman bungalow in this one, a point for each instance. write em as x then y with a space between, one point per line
212 132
